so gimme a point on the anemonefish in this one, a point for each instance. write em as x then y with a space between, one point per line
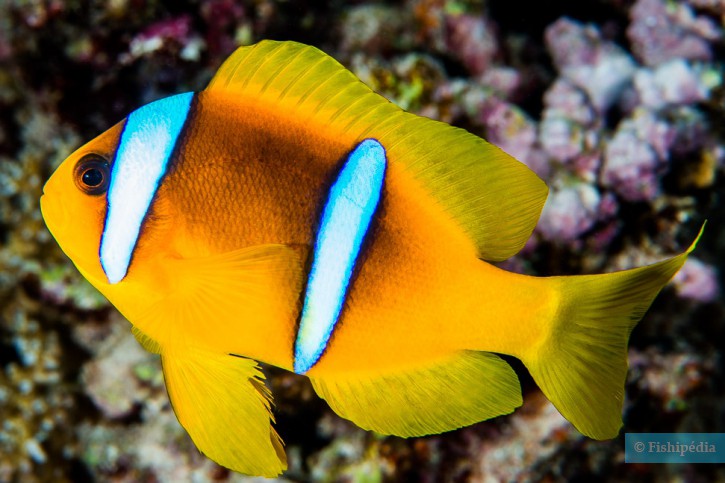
288 214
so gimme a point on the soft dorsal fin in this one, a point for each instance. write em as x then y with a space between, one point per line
496 199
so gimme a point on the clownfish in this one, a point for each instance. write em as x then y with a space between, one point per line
288 214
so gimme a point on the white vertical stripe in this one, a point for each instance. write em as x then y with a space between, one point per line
146 144
346 218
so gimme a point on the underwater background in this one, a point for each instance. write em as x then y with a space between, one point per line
619 105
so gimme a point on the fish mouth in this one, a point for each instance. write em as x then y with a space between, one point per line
56 219
53 214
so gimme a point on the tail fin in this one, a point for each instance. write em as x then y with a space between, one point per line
581 367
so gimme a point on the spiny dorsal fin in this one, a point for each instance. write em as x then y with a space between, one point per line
495 199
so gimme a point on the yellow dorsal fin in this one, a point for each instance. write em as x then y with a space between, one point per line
457 391
495 199
223 404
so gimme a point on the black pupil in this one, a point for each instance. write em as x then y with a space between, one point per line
92 177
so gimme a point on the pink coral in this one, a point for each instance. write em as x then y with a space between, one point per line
472 40
671 378
630 167
565 99
569 131
672 83
561 139
175 31
662 31
656 132
697 281
177 28
505 81
569 212
529 440
599 68
636 156
222 18
508 127
512 130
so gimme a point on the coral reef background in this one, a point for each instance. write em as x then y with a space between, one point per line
618 104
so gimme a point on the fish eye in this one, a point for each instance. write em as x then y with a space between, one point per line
92 174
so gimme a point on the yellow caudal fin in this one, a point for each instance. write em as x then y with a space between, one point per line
582 365
223 404
456 391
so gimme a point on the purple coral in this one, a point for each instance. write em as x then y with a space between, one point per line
223 18
561 138
631 167
505 81
512 130
697 281
636 156
473 40
569 212
671 378
565 99
599 68
175 31
567 130
662 31
673 83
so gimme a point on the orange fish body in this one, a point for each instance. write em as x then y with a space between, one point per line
305 222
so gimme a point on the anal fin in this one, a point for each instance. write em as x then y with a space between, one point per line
223 404
453 392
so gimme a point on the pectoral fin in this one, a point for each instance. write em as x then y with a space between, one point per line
223 404
242 302
146 342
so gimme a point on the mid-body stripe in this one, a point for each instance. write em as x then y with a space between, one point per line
147 142
349 209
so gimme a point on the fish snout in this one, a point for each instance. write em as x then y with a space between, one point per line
53 211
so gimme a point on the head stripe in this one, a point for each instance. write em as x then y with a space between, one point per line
350 206
146 144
